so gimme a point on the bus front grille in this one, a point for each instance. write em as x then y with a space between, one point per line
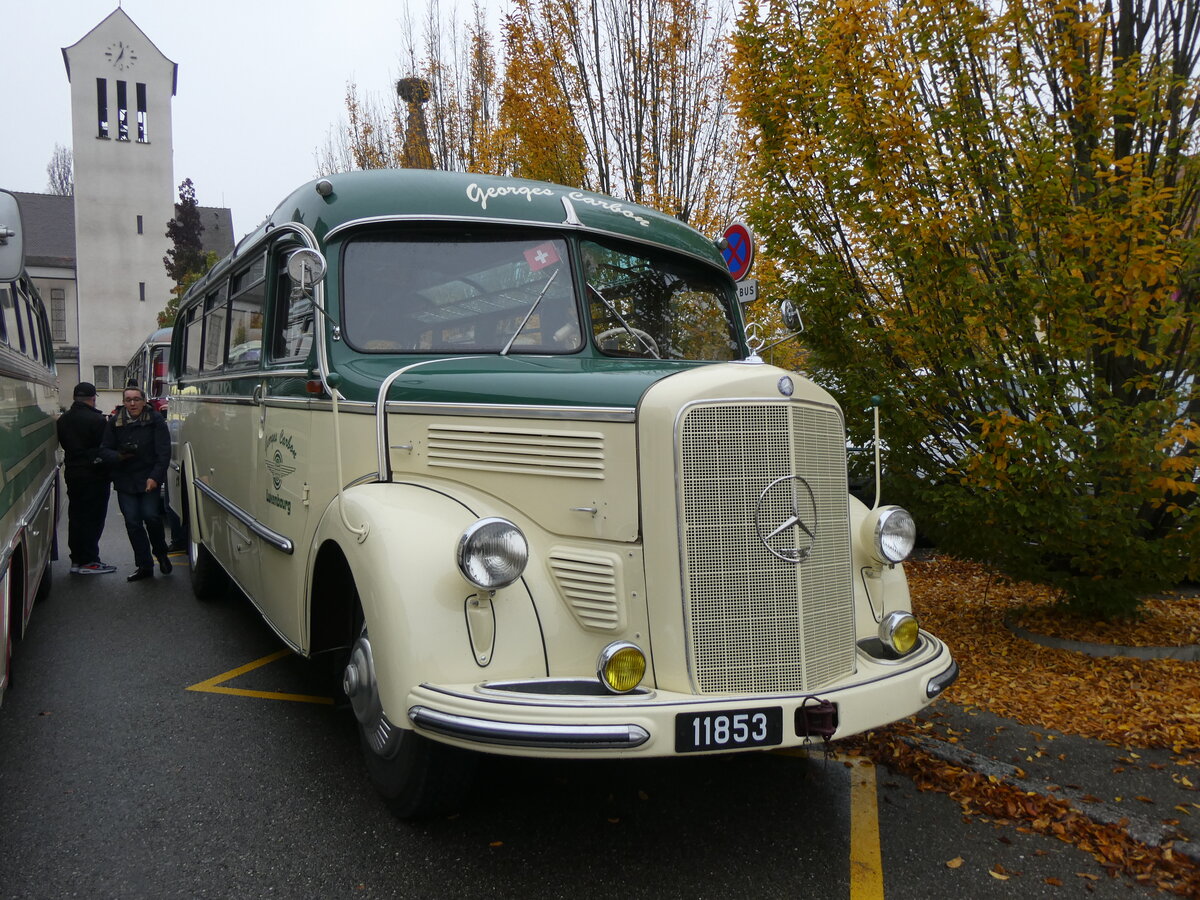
765 542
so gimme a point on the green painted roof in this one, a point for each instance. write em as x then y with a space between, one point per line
423 193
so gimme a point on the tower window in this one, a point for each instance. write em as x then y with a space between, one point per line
122 111
139 220
141 113
58 314
142 291
102 107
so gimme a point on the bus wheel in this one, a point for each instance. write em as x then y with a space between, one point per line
415 776
208 578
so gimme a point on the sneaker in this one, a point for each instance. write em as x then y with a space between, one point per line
177 546
93 568
164 564
141 572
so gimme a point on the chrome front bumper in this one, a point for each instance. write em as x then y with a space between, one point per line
526 724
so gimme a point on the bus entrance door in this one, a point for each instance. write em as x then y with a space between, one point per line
282 500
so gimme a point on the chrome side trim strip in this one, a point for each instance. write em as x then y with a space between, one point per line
365 408
575 413
274 538
512 734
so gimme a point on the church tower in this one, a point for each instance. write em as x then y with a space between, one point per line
121 90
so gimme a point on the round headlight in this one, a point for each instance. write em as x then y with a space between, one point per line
899 632
621 667
895 534
492 553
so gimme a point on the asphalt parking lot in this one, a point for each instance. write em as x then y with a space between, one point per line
156 746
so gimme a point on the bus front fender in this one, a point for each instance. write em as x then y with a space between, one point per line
422 616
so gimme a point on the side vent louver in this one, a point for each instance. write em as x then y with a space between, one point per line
563 454
589 583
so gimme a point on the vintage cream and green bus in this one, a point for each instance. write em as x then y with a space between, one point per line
500 448
28 445
147 368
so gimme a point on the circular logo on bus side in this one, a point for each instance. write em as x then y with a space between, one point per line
278 468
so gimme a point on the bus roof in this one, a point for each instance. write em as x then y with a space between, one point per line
328 204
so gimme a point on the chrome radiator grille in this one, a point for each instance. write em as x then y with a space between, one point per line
757 622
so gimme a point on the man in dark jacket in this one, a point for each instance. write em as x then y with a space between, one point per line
138 445
80 430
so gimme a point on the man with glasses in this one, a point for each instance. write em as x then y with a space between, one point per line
138 446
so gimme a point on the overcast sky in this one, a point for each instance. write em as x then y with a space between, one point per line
260 84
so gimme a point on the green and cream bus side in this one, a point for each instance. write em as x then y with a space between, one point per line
28 444
499 448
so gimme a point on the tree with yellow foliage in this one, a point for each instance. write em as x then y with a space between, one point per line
626 97
987 214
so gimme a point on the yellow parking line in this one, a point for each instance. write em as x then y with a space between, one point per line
866 861
215 685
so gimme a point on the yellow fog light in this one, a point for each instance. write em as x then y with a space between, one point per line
899 631
621 667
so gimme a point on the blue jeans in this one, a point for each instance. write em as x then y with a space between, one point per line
144 524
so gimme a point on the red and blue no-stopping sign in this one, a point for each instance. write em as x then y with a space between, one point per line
738 250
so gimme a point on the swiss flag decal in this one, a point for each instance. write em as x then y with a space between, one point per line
541 256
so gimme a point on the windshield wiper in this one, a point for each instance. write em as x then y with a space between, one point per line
524 321
633 332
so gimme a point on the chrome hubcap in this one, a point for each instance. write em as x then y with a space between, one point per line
360 685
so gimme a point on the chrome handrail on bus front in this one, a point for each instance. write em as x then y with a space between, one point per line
381 428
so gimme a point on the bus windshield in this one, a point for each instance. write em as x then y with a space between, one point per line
647 304
492 291
481 293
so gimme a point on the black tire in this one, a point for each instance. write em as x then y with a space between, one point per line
209 580
422 778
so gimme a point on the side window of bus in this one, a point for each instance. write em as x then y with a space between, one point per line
12 319
292 322
192 344
247 297
216 330
44 337
28 304
5 305
157 373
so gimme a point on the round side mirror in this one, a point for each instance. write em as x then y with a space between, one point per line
791 316
306 267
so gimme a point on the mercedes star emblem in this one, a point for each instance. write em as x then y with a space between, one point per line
786 518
